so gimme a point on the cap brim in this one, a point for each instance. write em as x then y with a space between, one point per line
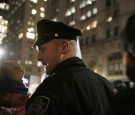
40 42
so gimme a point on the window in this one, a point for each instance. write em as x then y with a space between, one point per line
108 3
116 13
115 63
93 39
116 31
116 1
87 40
95 10
108 33
70 11
81 43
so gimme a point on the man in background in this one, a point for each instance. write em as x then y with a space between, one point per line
124 103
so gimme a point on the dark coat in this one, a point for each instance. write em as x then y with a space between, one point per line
124 102
71 89
13 97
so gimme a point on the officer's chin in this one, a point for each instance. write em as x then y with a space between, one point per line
46 68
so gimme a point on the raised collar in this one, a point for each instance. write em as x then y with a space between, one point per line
68 62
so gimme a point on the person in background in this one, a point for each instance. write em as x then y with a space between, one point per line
70 88
119 85
124 102
13 93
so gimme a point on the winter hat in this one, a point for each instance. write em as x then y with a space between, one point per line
12 70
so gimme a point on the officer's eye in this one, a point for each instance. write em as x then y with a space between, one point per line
42 49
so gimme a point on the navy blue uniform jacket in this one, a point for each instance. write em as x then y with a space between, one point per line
71 89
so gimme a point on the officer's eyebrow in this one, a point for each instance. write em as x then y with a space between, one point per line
40 48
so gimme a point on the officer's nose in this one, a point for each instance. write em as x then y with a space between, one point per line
39 56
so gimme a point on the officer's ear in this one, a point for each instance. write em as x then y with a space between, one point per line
65 46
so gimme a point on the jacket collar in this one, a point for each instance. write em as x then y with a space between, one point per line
73 61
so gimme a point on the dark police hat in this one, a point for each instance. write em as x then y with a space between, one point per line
48 30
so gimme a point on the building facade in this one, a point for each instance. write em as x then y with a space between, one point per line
100 22
4 7
22 18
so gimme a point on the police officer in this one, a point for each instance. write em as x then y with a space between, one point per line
70 88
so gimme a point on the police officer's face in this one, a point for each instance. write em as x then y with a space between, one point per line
49 54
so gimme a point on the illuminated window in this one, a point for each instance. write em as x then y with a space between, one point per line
88 27
72 23
34 1
55 19
85 3
42 14
94 24
72 0
42 9
88 14
70 11
30 29
3 28
109 19
20 36
33 11
30 35
95 11
83 17
4 6
115 62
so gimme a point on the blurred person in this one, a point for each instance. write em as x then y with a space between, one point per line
119 85
70 88
124 102
13 93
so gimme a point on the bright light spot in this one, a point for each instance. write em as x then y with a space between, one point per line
72 0
30 62
89 2
1 52
109 19
78 49
42 9
95 10
33 11
94 24
25 80
42 14
88 28
30 35
39 64
35 1
83 17
1 17
30 29
20 36
72 23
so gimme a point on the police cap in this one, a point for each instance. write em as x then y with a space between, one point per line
48 30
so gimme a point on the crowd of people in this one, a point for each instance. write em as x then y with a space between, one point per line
70 88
